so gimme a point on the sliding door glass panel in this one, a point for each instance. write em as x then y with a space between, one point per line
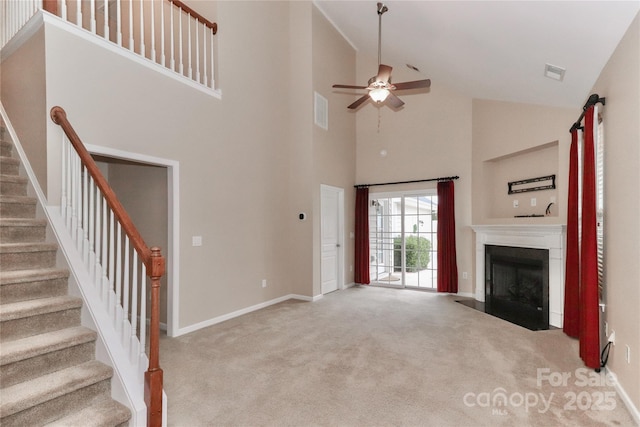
403 240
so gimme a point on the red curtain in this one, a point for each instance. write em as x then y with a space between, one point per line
361 274
572 268
589 321
447 265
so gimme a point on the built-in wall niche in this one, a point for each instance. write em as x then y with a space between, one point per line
534 162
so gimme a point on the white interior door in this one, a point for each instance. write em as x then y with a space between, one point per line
331 226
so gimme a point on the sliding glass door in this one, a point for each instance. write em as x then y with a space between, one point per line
402 240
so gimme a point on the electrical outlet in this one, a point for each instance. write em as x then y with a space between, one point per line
534 202
264 283
465 275
196 241
606 329
515 203
612 337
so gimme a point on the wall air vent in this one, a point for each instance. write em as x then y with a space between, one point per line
554 72
321 111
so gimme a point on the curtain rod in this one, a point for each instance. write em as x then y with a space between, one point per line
445 178
593 100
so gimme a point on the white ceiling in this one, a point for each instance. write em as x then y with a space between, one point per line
491 49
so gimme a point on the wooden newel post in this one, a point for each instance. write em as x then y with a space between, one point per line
153 376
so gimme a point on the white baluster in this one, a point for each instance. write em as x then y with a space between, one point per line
117 319
74 197
126 331
92 24
143 309
78 179
63 10
99 235
163 59
153 32
63 189
134 309
104 285
197 52
142 51
112 263
97 268
212 81
204 54
172 37
92 227
79 13
69 208
119 22
106 20
85 216
189 46
181 70
131 44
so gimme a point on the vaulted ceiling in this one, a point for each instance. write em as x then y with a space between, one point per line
492 49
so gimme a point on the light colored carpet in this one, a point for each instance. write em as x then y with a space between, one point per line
371 356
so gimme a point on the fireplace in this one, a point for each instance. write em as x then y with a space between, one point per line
550 237
517 285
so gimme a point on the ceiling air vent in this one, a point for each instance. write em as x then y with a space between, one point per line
321 111
554 72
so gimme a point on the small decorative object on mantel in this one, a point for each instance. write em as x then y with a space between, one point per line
533 184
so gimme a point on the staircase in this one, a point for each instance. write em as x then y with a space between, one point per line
48 371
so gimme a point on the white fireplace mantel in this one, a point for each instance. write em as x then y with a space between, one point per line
538 236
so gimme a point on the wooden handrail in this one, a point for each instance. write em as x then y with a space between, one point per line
151 258
205 21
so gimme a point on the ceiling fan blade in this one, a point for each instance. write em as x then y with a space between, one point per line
394 101
358 102
413 85
349 87
384 73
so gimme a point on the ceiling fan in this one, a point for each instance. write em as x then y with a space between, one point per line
380 87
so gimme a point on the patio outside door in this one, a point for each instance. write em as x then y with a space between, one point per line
402 239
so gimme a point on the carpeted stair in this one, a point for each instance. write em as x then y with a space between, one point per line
48 371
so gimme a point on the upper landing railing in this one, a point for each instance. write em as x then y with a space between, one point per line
167 32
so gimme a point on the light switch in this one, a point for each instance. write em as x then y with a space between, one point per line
533 201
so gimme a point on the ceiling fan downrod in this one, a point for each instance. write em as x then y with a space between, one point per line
381 9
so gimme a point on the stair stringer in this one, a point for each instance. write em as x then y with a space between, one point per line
127 383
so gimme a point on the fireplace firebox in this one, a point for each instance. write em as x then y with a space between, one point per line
517 285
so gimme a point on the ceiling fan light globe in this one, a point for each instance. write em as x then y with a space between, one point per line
379 95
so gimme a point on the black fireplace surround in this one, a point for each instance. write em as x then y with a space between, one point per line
517 285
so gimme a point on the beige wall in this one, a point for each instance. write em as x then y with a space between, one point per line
619 82
429 137
22 89
334 153
514 141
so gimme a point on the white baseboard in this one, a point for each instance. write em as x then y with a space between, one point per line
635 413
237 313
